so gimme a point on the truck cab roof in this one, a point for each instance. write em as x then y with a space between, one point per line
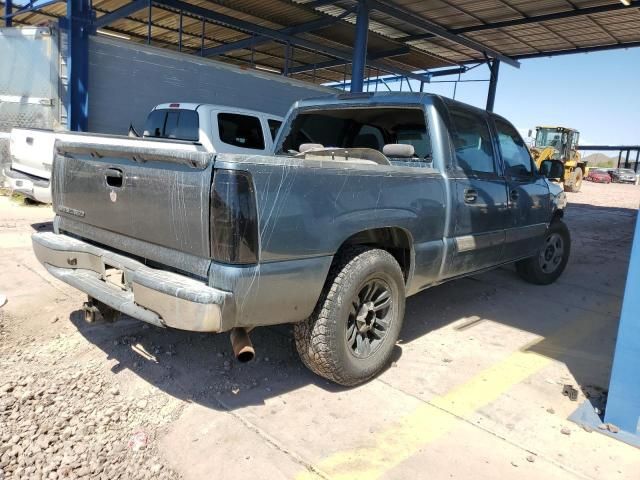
210 106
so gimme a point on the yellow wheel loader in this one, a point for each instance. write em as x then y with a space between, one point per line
559 143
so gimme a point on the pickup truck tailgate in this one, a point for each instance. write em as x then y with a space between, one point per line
149 190
32 151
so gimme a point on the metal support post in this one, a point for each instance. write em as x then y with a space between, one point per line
8 10
494 68
78 22
204 22
622 411
149 23
360 47
287 59
180 32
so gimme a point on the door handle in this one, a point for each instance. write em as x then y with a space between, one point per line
114 176
514 195
470 195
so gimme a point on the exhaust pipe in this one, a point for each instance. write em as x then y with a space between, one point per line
241 344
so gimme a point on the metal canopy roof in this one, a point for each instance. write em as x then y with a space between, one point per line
405 36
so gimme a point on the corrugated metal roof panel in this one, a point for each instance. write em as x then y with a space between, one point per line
618 25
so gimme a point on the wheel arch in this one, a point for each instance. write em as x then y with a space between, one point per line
396 240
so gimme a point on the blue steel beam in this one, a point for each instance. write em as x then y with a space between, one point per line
249 27
622 409
430 27
338 63
494 68
530 20
259 40
360 47
8 8
396 78
29 7
119 13
78 22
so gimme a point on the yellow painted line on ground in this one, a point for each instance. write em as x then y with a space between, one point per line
432 420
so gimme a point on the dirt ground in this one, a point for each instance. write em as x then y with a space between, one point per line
475 389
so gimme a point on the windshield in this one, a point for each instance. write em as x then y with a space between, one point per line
549 137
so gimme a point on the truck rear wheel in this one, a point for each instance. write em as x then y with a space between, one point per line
351 334
575 181
550 261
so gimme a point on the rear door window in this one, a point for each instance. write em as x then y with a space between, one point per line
472 142
174 124
242 131
274 126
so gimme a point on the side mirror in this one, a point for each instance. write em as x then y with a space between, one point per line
530 133
552 169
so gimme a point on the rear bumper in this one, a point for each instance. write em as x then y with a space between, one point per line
155 296
30 186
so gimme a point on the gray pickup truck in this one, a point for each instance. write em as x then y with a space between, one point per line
367 199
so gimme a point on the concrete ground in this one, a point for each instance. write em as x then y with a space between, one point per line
475 389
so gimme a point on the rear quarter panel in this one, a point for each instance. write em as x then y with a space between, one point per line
310 208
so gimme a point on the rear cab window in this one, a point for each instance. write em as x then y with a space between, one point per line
238 130
173 123
472 143
362 127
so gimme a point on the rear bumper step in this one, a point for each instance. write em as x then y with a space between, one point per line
154 296
30 186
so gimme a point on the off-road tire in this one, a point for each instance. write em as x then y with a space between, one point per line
321 340
575 181
530 269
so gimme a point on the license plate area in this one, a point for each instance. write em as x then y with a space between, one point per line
114 277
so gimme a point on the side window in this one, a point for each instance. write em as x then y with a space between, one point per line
242 131
274 126
515 154
472 142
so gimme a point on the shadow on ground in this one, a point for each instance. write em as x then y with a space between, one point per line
200 367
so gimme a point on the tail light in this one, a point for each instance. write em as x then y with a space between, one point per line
233 218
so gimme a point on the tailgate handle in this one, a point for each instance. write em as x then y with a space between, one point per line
29 140
113 176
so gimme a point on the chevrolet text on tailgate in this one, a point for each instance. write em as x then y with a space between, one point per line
368 199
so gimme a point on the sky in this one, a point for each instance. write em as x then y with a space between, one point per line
596 93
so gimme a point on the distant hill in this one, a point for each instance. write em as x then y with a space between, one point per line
600 160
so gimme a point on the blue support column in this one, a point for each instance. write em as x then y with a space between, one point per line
360 47
622 411
180 32
623 400
494 68
8 10
149 15
78 28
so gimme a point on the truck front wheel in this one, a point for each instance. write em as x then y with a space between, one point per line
351 334
550 261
